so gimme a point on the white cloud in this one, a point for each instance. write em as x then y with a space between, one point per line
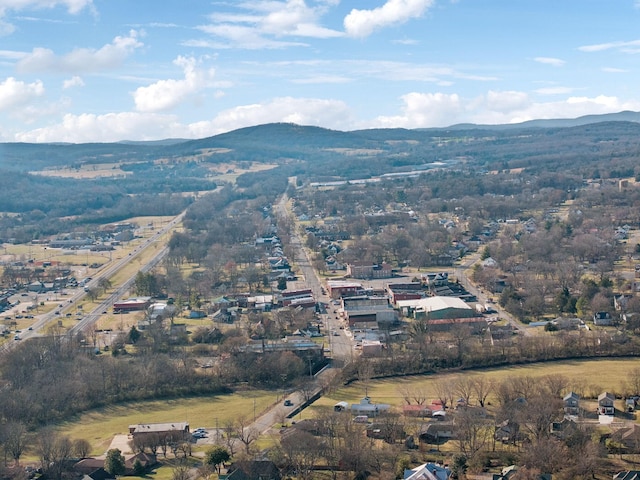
361 23
15 93
424 110
303 111
11 54
110 127
82 59
73 7
554 90
74 81
506 101
626 47
166 94
405 41
614 70
321 79
263 22
556 62
239 36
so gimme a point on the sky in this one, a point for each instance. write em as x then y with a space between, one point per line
110 70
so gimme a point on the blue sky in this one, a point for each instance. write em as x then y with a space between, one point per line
109 70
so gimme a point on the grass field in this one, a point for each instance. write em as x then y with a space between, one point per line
587 377
99 426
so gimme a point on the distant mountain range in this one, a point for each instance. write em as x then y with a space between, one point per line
248 132
626 116
287 144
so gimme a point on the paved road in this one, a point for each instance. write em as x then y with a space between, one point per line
92 317
340 344
462 273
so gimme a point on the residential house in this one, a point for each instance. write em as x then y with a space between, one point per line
571 403
94 467
388 431
507 432
564 429
628 475
435 433
510 472
252 470
568 323
620 302
606 402
628 437
433 279
602 319
428 471
416 411
489 263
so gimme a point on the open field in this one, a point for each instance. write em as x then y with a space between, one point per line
93 170
229 172
99 426
222 172
586 377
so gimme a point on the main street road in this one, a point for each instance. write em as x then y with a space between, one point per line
341 346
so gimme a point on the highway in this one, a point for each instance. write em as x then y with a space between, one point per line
112 269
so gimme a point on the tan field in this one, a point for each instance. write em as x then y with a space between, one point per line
583 376
99 426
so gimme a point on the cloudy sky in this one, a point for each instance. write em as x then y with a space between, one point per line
109 70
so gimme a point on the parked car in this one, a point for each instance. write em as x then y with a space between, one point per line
288 403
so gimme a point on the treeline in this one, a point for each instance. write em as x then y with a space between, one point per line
53 378
465 351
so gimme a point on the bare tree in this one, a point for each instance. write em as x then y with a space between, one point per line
473 431
555 384
444 390
464 387
633 381
302 450
81 448
229 437
181 472
15 439
246 433
54 451
482 387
